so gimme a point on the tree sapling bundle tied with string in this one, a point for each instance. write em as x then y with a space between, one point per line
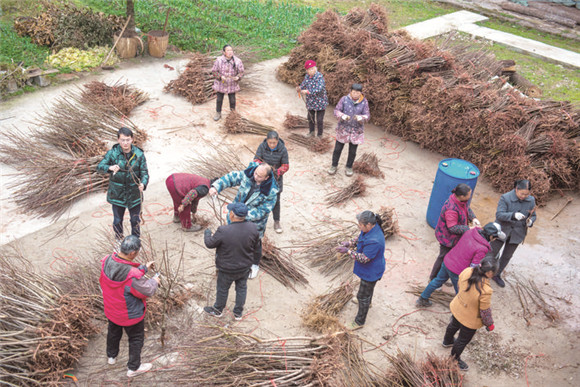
119 98
451 99
293 122
390 224
280 265
321 313
195 82
313 144
368 164
236 124
356 188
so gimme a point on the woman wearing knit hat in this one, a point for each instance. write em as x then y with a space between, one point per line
314 88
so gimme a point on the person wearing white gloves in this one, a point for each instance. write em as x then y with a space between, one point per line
516 212
352 111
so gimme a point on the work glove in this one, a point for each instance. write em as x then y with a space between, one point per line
345 244
529 223
345 117
359 118
476 223
519 216
490 328
342 249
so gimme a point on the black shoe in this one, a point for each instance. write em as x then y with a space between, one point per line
212 311
499 281
445 345
423 303
462 365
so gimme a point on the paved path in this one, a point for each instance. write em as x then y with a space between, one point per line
464 21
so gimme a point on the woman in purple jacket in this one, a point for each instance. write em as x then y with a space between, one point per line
227 71
352 111
314 88
473 246
453 222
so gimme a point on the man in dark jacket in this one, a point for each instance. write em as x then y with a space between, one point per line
235 244
128 179
125 290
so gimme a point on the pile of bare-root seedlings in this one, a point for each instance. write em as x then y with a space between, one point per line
368 164
294 122
119 98
56 161
196 81
236 124
321 313
313 144
280 265
441 95
529 295
356 188
442 298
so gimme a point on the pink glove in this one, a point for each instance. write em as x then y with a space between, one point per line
490 328
345 244
342 249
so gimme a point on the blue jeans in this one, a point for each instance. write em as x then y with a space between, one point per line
442 277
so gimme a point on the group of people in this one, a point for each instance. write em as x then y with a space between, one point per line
467 254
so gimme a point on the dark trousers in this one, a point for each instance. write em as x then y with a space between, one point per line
506 255
136 334
443 250
220 100
364 297
465 336
338 146
119 213
318 117
258 253
276 210
224 281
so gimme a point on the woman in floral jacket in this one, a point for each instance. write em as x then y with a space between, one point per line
352 111
314 88
227 71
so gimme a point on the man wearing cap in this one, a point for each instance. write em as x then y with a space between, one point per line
235 244
468 252
259 191
352 111
314 88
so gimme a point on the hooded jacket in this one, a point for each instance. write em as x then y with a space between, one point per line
260 203
453 221
470 250
125 290
124 185
277 158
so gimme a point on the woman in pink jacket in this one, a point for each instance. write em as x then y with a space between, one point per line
473 246
227 71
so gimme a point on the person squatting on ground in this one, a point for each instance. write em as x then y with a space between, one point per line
259 191
473 246
471 308
368 252
352 111
453 222
272 151
227 71
128 178
516 212
235 244
125 290
314 88
186 189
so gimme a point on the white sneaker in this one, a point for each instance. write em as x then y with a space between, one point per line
254 272
144 368
112 361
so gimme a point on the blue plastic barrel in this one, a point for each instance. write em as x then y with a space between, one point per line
450 173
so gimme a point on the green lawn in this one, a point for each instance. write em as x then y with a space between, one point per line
269 26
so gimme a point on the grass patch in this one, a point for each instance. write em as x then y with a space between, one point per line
529 33
15 48
205 25
401 13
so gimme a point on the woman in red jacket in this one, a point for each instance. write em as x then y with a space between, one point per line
186 189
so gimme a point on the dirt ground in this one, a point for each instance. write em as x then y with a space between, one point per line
539 354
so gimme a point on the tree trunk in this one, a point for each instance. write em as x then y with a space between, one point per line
525 86
539 14
130 12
